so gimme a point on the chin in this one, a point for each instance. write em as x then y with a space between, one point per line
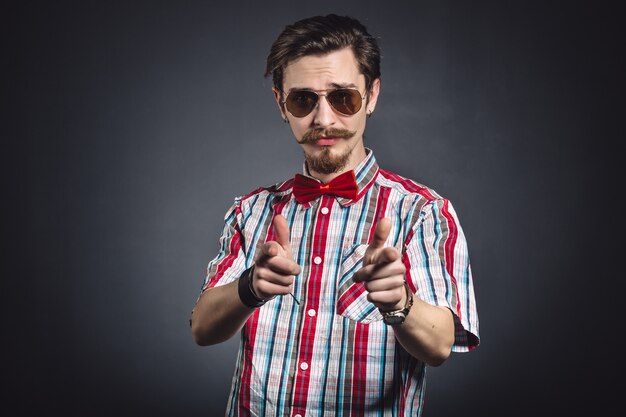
327 161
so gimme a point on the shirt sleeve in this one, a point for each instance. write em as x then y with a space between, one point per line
439 271
230 261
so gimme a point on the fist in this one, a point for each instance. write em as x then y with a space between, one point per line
383 273
275 268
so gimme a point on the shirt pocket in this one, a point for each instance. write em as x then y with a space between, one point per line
352 300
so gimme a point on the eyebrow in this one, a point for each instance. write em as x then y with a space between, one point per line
344 85
332 85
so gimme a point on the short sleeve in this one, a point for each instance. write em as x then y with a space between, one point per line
230 261
439 271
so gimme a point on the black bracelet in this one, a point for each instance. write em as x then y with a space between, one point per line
246 293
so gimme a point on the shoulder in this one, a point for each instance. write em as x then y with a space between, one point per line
274 193
407 187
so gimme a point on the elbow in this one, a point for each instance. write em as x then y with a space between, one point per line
442 352
433 355
198 336
202 330
442 349
202 339
438 358
203 336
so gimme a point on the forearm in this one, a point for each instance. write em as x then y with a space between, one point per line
427 333
218 315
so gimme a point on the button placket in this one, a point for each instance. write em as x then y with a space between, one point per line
310 306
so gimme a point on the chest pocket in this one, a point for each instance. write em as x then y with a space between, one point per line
352 300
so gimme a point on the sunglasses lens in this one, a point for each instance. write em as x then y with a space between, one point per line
345 101
301 103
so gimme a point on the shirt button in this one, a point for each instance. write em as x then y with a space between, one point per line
317 260
311 313
304 366
324 210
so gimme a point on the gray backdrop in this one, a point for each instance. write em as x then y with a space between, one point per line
130 127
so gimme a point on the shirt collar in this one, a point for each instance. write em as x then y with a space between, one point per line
365 173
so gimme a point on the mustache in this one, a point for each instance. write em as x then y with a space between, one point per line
311 136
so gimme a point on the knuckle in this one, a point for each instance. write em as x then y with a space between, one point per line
262 287
399 283
261 273
399 267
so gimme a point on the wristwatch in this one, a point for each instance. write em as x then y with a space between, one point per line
397 317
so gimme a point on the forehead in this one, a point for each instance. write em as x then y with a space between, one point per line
320 72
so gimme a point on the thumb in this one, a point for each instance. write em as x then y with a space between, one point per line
281 228
381 234
373 252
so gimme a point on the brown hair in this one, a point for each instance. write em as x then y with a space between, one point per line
320 35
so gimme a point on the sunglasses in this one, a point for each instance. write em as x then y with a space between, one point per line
344 101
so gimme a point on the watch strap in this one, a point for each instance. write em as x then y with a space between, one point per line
246 292
402 313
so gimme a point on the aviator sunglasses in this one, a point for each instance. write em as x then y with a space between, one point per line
344 101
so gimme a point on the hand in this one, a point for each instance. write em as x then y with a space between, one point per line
275 268
383 272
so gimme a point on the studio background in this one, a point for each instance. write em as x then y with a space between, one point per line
129 128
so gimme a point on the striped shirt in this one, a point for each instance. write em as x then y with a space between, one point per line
332 354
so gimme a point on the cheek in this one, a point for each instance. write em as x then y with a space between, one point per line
297 133
298 127
358 124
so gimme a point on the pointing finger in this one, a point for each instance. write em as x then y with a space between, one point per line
270 249
266 251
385 256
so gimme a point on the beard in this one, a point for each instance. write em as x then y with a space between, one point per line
326 162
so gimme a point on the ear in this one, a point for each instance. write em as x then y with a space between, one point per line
373 95
278 96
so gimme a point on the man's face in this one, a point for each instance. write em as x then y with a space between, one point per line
332 142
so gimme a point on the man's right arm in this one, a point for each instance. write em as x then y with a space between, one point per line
220 313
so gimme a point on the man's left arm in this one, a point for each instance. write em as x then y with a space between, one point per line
428 330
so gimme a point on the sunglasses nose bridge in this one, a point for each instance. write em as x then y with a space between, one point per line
329 102
324 111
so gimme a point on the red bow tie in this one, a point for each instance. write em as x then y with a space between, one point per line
306 189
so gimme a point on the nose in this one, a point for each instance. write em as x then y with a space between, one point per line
324 115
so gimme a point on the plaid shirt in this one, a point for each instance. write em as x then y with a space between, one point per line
332 355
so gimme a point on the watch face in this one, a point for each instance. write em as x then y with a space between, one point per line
394 319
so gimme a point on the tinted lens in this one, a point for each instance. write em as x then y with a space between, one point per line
345 101
301 103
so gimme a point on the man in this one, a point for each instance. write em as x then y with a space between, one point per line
347 280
